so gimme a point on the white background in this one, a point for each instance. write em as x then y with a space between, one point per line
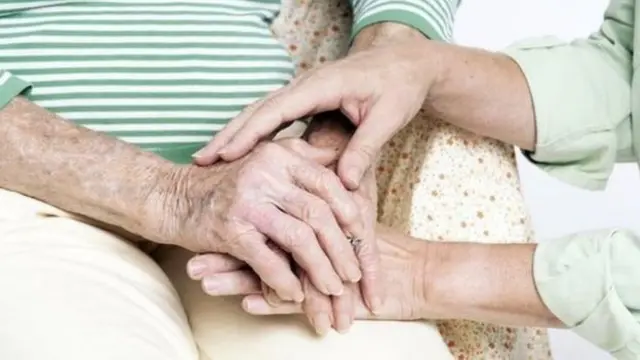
556 209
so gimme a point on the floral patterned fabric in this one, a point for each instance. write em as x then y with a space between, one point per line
461 187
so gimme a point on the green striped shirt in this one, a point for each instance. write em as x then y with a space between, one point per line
164 75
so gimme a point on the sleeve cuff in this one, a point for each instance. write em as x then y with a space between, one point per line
10 87
434 19
574 279
576 142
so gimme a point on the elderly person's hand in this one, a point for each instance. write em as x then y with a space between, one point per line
402 269
339 312
281 191
380 89
332 130
323 310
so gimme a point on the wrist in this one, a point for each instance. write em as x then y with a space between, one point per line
424 282
430 56
436 293
443 65
167 203
384 34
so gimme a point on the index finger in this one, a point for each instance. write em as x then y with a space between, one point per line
307 96
209 154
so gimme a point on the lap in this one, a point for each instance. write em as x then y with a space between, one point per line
72 291
224 332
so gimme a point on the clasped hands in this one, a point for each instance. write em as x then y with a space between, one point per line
295 232
274 200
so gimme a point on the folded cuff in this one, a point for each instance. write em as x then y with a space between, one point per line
10 87
574 279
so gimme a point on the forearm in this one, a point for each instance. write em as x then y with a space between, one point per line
483 282
78 170
480 91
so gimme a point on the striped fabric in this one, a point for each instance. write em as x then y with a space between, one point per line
162 74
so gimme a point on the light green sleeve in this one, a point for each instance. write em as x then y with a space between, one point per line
591 282
10 87
434 18
581 94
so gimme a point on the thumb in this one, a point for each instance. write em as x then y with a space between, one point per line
365 144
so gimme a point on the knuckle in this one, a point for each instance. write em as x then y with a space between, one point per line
351 214
297 236
306 171
314 211
327 181
272 102
367 255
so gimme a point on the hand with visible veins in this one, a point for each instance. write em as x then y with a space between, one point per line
330 132
339 312
281 191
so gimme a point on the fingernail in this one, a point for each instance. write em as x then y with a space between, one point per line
336 290
353 273
345 324
197 154
211 286
254 306
353 175
195 268
284 297
375 305
222 151
298 297
322 324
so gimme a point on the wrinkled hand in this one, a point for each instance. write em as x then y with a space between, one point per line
379 89
402 267
280 191
323 311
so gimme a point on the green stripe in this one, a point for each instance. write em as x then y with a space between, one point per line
214 5
155 70
245 21
128 95
158 107
117 45
115 11
159 133
126 121
79 34
160 82
145 58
